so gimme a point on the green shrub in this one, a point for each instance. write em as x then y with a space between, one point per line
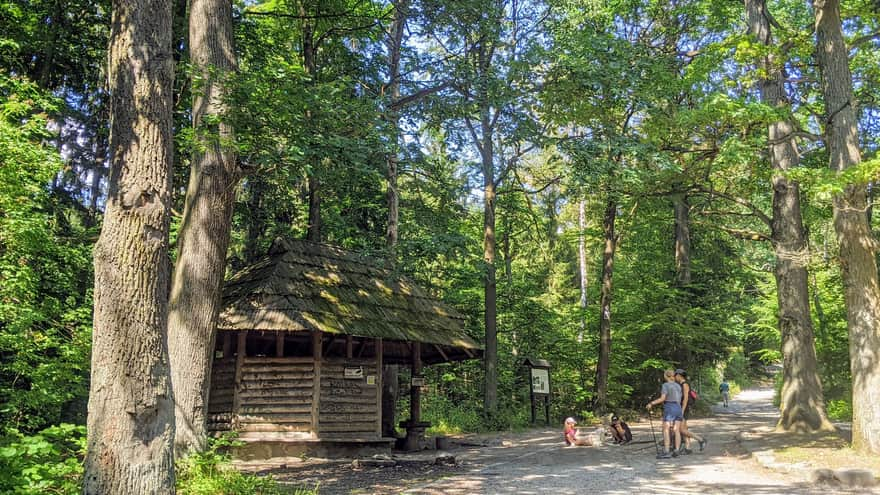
49 462
840 410
211 473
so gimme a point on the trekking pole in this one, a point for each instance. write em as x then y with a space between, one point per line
653 434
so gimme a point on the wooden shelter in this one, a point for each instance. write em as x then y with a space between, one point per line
302 339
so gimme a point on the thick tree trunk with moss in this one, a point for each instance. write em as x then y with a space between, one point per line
857 244
802 405
490 354
131 409
204 231
601 399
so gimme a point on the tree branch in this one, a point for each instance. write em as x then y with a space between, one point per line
740 201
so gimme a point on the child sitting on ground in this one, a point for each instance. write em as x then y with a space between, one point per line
573 436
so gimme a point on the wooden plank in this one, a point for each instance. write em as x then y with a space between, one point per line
239 361
362 428
340 402
341 418
276 418
277 409
349 346
284 375
380 349
317 359
342 362
440 350
276 368
332 408
278 360
279 344
274 427
272 385
289 393
277 400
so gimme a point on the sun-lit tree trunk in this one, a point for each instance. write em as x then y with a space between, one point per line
857 244
582 267
802 405
601 399
309 49
131 408
682 212
204 231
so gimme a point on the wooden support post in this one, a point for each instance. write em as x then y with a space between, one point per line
415 393
440 350
227 345
317 357
279 344
414 429
379 363
349 346
362 347
241 353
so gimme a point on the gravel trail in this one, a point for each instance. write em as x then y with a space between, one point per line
536 463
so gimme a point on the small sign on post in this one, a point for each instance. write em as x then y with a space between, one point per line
354 372
539 386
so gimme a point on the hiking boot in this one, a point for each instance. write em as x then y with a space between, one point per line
685 451
703 443
664 455
675 453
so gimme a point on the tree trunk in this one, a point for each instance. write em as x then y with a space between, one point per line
857 244
256 219
314 232
604 363
802 405
390 372
682 239
204 232
490 355
131 409
582 268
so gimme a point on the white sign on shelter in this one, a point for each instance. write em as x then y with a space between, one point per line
540 381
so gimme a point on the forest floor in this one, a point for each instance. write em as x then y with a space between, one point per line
743 456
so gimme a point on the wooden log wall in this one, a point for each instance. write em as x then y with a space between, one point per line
276 394
220 398
349 408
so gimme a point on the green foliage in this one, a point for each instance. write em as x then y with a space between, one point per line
48 462
45 271
210 472
840 410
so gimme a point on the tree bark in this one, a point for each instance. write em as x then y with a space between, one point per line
131 408
204 232
857 244
582 268
682 212
802 405
604 363
390 389
490 355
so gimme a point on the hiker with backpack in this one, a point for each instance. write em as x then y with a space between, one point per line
670 397
688 398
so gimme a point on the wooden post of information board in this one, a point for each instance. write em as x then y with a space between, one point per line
241 352
539 386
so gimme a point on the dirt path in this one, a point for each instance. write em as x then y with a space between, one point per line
535 463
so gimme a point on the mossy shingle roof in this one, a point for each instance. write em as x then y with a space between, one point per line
302 286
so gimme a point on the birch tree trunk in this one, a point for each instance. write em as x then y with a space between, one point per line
204 232
131 409
802 405
857 244
582 267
